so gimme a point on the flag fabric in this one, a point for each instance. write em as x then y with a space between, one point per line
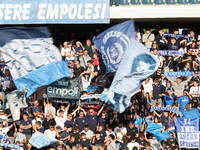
193 113
16 100
32 58
162 136
188 132
40 140
156 129
136 65
113 42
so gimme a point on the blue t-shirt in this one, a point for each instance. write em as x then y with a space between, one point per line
147 120
169 100
67 122
138 121
23 122
81 122
93 88
183 100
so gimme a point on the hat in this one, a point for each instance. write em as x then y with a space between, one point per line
58 127
147 28
69 43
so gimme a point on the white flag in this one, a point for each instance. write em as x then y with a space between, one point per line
17 100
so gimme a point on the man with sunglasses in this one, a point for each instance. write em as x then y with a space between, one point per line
51 132
47 121
171 142
91 118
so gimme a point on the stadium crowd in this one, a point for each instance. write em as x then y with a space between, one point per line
95 126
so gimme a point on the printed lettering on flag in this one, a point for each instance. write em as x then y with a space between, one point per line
188 132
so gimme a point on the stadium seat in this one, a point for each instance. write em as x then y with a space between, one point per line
193 1
170 2
158 2
146 2
182 2
124 2
135 2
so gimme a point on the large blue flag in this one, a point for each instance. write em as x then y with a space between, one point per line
32 58
136 65
40 140
113 42
188 132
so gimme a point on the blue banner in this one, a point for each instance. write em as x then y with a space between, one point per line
10 145
40 140
188 132
169 53
113 42
175 35
175 109
52 11
179 74
137 64
32 58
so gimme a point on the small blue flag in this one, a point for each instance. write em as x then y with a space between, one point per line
40 140
32 58
113 42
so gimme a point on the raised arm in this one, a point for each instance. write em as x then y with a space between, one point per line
189 78
169 79
99 112
51 111
74 112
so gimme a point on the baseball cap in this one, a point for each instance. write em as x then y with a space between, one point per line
147 28
69 43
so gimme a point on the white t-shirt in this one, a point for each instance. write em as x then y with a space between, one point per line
155 144
4 118
85 83
107 133
89 133
147 88
46 110
65 113
194 90
123 129
130 145
63 51
49 133
69 52
60 122
4 131
20 137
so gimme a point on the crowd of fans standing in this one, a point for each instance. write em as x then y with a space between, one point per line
97 126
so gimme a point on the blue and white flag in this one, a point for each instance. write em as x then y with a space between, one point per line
170 53
175 35
16 100
10 145
40 140
188 132
32 58
113 42
186 73
136 65
175 109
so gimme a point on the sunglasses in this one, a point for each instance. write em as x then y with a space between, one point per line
91 112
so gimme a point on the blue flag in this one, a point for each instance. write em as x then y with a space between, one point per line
113 42
32 58
154 128
188 132
136 65
193 113
162 136
40 140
